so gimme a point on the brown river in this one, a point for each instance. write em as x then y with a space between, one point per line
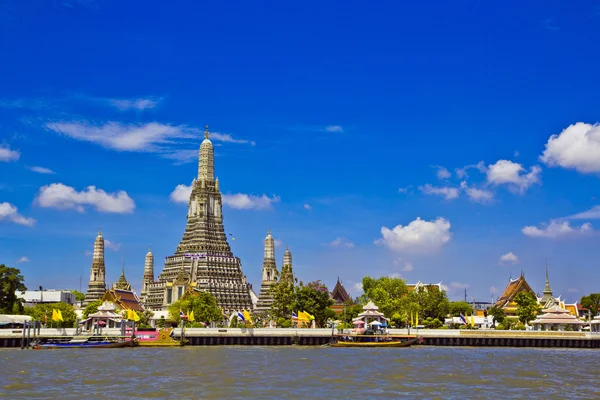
300 372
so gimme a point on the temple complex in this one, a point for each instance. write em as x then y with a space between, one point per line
506 300
340 297
122 283
203 259
97 285
148 277
269 275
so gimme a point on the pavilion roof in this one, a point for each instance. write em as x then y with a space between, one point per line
557 315
514 286
339 293
125 299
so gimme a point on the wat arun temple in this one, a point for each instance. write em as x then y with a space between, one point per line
203 260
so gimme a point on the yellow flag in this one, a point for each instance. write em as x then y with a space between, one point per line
136 317
130 315
60 318
191 316
310 316
417 319
472 320
302 316
54 315
247 316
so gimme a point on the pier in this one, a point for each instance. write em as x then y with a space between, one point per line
318 337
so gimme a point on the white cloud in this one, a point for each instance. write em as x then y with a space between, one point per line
57 195
7 155
243 201
23 260
442 172
449 193
227 138
505 172
135 104
572 290
88 253
462 172
111 245
456 286
334 129
494 290
41 170
342 242
358 288
152 137
557 229
592 213
576 147
307 207
477 195
10 213
181 194
278 242
418 236
404 265
509 258
405 189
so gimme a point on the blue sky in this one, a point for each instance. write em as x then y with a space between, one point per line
412 140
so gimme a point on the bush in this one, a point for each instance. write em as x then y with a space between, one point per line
287 323
197 325
519 327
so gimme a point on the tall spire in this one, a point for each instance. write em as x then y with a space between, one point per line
547 290
122 283
97 285
206 162
148 278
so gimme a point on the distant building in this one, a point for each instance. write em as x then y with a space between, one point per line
422 286
97 285
269 275
33 297
340 297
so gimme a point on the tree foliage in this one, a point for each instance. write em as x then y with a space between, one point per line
11 281
314 299
458 307
350 311
433 303
591 302
497 313
527 306
387 293
43 313
203 304
91 308
283 298
79 296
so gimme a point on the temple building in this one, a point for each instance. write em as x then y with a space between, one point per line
340 297
203 259
123 299
269 275
506 300
122 283
148 277
422 286
97 285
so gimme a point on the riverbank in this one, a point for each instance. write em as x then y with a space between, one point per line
317 337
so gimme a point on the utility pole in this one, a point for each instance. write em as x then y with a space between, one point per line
465 295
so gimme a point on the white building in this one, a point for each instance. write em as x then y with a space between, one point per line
33 297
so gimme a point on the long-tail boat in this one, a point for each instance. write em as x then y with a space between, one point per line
374 341
84 342
161 338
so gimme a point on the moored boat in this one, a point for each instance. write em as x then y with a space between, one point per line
85 342
161 338
374 341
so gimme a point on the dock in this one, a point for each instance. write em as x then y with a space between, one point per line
318 337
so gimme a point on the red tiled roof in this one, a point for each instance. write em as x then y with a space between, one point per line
513 287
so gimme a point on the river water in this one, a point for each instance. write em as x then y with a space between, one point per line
300 372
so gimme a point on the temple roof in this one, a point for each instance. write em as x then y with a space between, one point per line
122 283
557 315
339 293
125 299
514 286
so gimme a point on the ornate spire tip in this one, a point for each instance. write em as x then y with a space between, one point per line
206 133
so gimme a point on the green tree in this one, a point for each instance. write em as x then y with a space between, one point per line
591 302
145 316
458 307
497 313
388 294
11 281
433 303
283 297
43 313
527 306
91 308
78 295
203 304
314 299
350 311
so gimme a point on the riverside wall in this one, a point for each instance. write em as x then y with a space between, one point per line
316 337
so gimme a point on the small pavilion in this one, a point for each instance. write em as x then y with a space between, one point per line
556 318
371 316
595 324
105 317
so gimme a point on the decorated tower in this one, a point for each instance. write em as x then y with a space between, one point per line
148 277
287 274
203 259
97 285
122 283
269 275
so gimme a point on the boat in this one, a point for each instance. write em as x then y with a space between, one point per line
161 338
85 342
374 341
